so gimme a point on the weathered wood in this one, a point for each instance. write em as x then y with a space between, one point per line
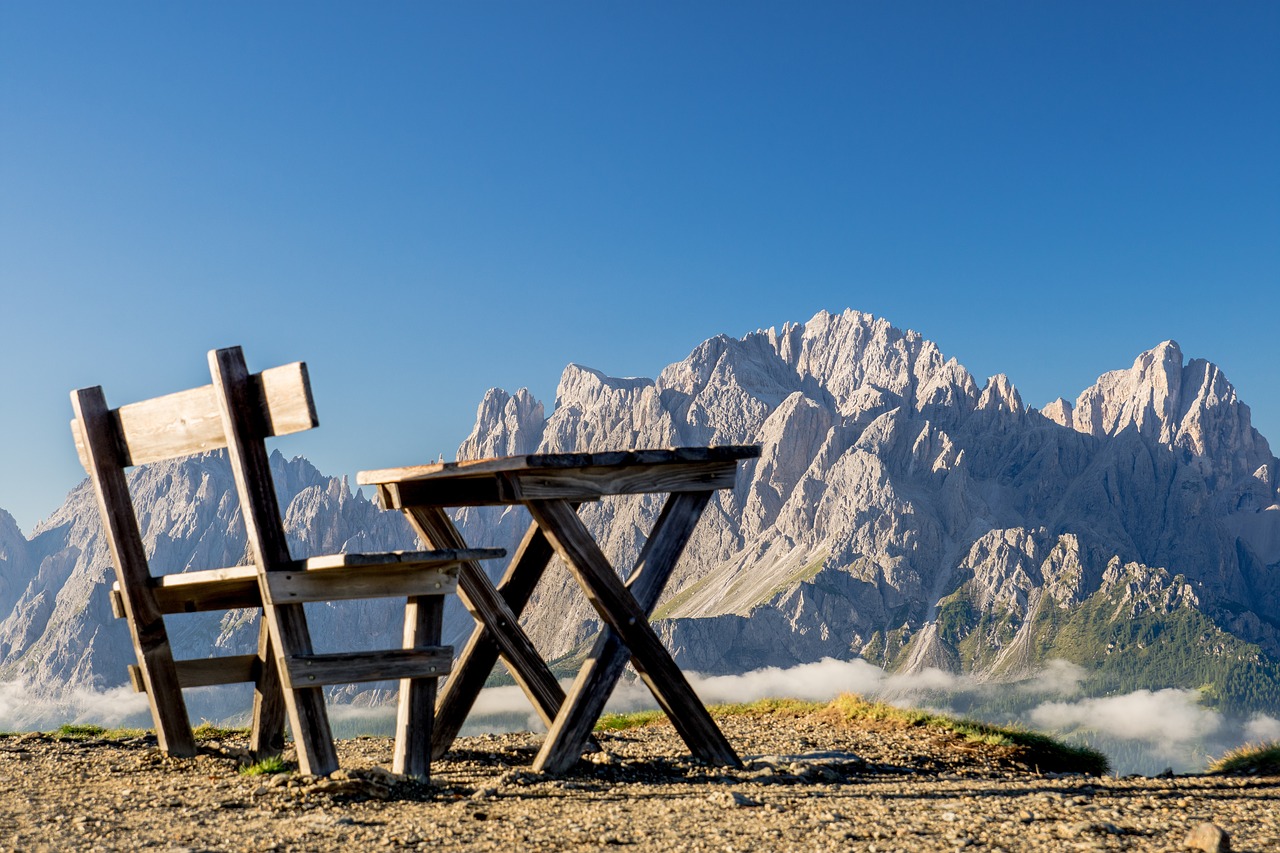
489 608
188 422
482 651
287 623
206 672
266 738
416 573
210 589
402 559
613 459
620 611
423 619
146 625
578 484
386 581
567 736
313 670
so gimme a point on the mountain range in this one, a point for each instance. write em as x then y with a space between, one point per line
899 512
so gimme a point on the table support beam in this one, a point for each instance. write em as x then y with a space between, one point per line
620 611
568 736
491 608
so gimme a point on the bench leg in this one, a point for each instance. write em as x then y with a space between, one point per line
267 737
416 709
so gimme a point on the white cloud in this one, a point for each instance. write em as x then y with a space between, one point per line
1159 717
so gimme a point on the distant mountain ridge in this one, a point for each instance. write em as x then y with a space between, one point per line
899 511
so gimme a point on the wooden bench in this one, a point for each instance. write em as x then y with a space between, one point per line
238 411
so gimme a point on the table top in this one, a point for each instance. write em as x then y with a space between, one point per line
572 476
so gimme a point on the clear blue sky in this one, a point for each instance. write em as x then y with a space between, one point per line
424 200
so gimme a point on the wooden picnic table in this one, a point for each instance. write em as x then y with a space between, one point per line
552 487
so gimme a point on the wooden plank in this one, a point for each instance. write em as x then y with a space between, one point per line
237 586
479 596
620 611
312 670
146 624
404 559
210 589
567 736
608 459
287 623
576 484
206 672
415 710
346 584
188 422
266 737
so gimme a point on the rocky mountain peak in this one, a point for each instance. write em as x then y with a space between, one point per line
506 425
1188 406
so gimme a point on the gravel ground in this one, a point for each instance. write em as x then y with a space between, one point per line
810 783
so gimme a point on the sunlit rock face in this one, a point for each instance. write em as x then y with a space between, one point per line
899 510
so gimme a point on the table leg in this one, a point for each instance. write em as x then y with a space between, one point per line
619 610
567 737
500 623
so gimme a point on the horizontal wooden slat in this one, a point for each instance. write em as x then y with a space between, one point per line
407 559
355 667
213 589
536 461
337 577
347 584
573 484
188 421
206 672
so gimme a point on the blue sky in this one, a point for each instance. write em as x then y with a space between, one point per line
424 200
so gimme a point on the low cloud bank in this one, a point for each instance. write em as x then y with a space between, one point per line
1144 731
21 709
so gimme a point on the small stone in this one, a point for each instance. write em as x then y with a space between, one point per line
1208 837
732 800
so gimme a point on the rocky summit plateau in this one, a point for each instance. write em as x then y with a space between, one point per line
900 512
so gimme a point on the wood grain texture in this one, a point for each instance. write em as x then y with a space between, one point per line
266 736
552 461
244 429
314 670
188 421
146 624
415 710
347 584
585 702
365 575
620 611
206 672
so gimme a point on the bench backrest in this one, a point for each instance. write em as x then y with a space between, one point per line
190 421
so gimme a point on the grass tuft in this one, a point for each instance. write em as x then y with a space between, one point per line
1033 748
633 720
1250 759
267 766
212 731
89 731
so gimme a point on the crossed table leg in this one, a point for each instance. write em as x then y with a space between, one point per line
625 636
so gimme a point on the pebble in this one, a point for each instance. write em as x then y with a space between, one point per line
887 787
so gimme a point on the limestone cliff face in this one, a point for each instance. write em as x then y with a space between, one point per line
899 510
890 479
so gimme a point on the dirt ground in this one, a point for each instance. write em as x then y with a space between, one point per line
809 783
